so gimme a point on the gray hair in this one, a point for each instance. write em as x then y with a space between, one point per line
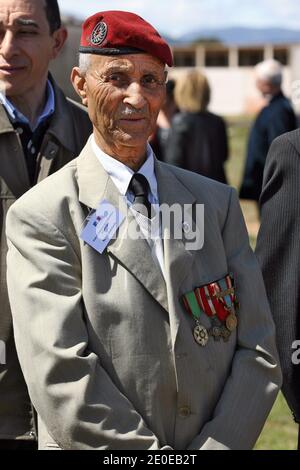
84 63
269 71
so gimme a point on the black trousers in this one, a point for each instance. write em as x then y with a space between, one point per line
17 445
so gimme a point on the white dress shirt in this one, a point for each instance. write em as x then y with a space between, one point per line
121 176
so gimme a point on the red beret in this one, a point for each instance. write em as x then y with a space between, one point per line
121 32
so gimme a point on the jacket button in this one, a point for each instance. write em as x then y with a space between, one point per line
184 412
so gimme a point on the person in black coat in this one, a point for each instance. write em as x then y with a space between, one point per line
278 252
276 118
198 138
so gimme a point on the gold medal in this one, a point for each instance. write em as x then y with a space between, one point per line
200 335
225 334
231 322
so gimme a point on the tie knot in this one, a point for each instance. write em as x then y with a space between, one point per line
139 185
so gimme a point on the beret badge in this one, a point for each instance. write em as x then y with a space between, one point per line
99 34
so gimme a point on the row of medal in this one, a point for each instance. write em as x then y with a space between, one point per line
218 330
218 302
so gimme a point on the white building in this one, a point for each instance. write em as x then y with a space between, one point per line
230 71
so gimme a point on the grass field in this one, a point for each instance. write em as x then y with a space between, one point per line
280 431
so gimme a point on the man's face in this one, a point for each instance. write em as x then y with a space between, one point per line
124 95
266 88
26 46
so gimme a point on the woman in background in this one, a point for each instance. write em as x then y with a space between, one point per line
198 138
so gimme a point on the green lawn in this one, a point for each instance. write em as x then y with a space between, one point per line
280 431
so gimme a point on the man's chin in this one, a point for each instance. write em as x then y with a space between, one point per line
132 139
9 88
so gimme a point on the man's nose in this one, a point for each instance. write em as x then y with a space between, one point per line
135 96
8 45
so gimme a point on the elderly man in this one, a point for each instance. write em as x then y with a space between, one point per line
276 118
40 131
137 342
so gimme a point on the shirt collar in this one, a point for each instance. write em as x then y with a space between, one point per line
16 116
122 174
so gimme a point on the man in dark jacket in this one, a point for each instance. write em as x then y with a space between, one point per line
278 251
40 131
276 118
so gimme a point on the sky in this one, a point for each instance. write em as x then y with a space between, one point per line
176 17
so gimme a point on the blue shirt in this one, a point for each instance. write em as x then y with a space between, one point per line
16 116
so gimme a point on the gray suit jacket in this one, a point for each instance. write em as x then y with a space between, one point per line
278 251
104 343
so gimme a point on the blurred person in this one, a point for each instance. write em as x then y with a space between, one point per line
276 118
114 346
198 138
159 140
40 131
278 252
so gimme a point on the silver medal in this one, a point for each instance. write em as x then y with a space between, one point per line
200 335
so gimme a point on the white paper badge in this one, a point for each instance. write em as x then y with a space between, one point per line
102 226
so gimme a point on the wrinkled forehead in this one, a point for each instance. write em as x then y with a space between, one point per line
11 11
130 63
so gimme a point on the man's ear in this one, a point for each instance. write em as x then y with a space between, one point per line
79 84
59 38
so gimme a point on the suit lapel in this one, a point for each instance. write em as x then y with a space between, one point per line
94 186
61 127
13 164
178 258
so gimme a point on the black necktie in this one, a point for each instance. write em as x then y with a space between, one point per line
140 189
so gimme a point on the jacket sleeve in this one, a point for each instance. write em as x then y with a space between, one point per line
278 252
71 391
282 121
252 386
